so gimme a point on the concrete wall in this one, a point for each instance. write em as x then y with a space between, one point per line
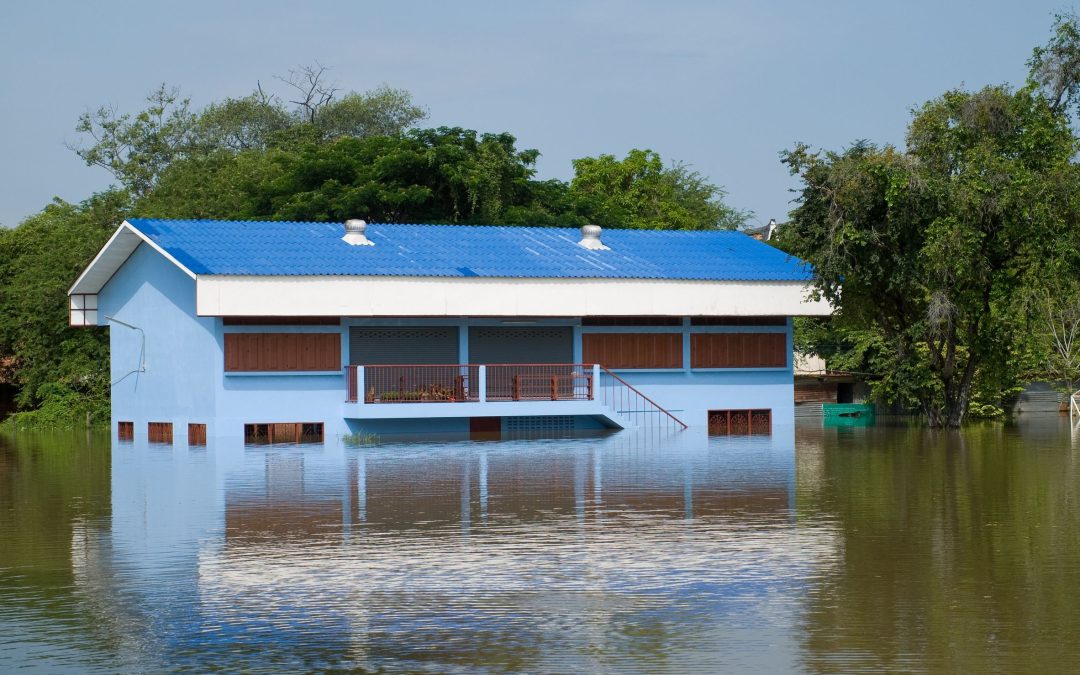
185 381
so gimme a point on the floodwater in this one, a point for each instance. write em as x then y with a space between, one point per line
813 550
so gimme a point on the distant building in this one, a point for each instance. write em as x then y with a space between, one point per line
287 331
762 232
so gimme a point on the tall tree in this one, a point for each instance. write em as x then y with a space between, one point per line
936 245
433 175
138 148
639 191
62 373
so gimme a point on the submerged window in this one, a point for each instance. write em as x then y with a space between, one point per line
283 432
730 422
196 434
159 432
125 431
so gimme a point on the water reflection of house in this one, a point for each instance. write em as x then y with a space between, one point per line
481 548
281 331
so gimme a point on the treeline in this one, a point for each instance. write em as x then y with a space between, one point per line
954 262
314 154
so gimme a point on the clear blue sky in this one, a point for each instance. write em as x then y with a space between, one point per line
721 86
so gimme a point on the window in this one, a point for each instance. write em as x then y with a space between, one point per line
744 422
276 352
196 434
125 431
159 432
738 350
283 432
82 310
633 350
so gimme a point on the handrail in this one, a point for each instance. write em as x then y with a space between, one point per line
654 404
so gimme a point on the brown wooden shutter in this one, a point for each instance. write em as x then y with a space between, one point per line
738 350
633 350
284 352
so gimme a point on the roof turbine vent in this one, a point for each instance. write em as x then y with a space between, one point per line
590 238
354 233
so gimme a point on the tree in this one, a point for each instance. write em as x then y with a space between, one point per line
640 192
935 246
137 149
1054 68
62 373
428 175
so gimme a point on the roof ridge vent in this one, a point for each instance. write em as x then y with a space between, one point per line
590 238
354 233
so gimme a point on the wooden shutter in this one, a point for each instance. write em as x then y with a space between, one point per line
633 350
272 352
738 350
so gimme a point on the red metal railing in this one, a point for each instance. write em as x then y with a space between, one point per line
540 382
642 411
414 383
506 382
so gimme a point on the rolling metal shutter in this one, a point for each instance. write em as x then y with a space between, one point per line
403 346
521 345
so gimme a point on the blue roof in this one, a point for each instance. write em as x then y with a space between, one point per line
279 248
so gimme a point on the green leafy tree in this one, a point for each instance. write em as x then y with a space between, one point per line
62 373
138 148
429 175
935 246
641 192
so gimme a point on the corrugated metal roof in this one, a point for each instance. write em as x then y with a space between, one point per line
278 248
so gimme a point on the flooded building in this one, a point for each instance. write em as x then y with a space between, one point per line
293 331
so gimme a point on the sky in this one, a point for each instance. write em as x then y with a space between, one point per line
720 86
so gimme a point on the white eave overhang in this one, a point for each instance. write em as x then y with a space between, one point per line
226 295
112 256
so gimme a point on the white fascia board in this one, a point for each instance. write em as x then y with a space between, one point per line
223 295
112 255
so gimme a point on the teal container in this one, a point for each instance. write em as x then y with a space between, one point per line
848 414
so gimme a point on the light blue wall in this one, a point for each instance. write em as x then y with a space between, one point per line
181 353
185 380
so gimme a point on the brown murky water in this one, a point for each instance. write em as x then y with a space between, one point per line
815 550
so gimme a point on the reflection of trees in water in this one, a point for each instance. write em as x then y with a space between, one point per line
960 549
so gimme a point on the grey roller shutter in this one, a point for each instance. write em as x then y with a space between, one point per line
399 346
521 345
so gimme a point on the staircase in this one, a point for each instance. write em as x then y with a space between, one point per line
631 408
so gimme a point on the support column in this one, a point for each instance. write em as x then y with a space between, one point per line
463 344
482 385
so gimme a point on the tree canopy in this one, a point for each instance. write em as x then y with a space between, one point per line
934 246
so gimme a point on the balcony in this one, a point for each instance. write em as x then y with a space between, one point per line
470 383
499 390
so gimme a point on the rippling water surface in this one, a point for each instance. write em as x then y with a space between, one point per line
814 550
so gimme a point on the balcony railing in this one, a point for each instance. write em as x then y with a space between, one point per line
461 383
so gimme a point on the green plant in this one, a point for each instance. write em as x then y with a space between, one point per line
360 438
